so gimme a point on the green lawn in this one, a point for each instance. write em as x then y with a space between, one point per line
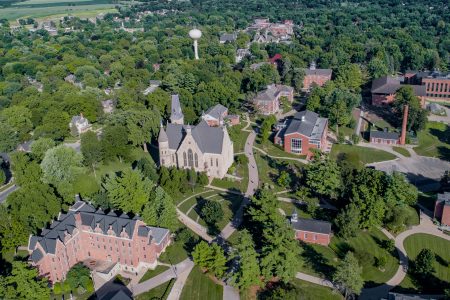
434 141
161 292
269 170
311 291
200 286
366 155
275 150
238 136
152 273
415 243
174 254
321 260
232 184
402 151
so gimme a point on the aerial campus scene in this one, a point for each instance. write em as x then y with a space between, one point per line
207 149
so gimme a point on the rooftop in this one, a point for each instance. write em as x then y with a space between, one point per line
216 111
390 85
312 225
385 135
307 123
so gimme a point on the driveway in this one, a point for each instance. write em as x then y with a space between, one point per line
445 119
5 193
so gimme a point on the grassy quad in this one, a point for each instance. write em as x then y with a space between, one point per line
366 155
434 141
200 286
402 151
232 184
152 273
161 292
322 261
413 245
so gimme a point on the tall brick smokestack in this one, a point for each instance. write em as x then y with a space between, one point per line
404 123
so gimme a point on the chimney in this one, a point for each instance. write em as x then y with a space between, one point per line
404 123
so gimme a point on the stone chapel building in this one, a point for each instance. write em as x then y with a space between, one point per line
201 147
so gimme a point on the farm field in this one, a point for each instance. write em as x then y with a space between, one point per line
57 8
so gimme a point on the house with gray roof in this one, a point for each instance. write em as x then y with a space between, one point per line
384 137
315 77
200 147
86 234
305 131
79 124
267 102
228 38
311 230
218 116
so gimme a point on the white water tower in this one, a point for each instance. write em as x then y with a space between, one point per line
195 34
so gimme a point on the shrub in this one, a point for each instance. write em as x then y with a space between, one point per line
355 138
380 262
57 288
211 212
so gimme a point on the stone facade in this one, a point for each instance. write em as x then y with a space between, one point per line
201 147
85 234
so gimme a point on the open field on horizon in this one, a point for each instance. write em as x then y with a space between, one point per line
56 8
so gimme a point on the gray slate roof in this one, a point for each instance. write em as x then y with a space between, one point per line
176 112
228 37
312 225
216 111
445 197
384 135
89 217
270 93
307 123
389 85
209 139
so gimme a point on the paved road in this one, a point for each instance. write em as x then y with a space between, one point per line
230 293
445 119
5 193
173 272
253 181
426 226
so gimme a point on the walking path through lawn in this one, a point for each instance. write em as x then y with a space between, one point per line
177 288
281 157
173 272
325 204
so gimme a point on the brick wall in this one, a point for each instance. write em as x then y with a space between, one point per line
437 89
312 237
319 80
445 219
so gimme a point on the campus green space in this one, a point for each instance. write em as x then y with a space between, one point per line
274 150
322 261
434 141
366 155
269 170
199 286
311 291
440 247
234 184
238 136
161 292
174 254
50 2
229 203
152 273
402 151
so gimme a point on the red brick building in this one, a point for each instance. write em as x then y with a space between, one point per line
305 131
311 231
385 138
437 84
267 102
384 89
442 209
315 76
88 235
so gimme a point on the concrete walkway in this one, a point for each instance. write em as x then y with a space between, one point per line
194 226
174 272
253 181
177 288
314 279
230 293
282 157
4 194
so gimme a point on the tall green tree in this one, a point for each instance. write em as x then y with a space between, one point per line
417 116
25 169
248 272
92 149
323 177
159 210
61 165
128 191
348 275
115 142
210 257
40 146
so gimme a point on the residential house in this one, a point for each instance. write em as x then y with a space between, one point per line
79 125
310 230
384 89
218 116
267 32
314 76
108 106
89 235
442 208
228 38
384 137
305 131
25 146
267 102
241 53
200 147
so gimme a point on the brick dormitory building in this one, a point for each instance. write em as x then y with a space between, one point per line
88 235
